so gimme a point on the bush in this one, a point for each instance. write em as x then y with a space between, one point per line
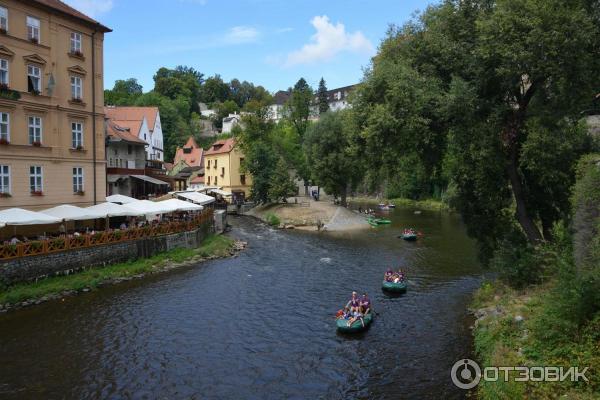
517 263
273 219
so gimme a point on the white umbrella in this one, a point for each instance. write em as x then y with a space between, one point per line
19 216
179 205
147 207
119 198
112 210
198 198
71 213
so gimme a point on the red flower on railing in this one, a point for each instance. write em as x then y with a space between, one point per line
34 40
36 143
37 193
80 193
4 141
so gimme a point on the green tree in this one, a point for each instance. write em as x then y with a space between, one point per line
124 92
223 110
322 97
332 153
214 90
299 106
281 185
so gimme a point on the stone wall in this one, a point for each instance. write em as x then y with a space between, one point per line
35 267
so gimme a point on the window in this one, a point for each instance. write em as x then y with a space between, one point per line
3 72
209 180
216 164
243 179
129 149
5 179
75 42
33 29
3 19
4 126
35 130
77 179
215 180
77 135
208 163
76 88
222 171
110 162
35 179
34 79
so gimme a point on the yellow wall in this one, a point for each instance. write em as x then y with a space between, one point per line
227 171
56 110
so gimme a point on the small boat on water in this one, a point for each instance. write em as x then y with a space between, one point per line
378 221
409 237
357 326
394 287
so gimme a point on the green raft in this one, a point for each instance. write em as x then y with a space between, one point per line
410 237
378 221
399 287
342 324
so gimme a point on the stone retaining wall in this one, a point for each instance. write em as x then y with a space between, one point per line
30 268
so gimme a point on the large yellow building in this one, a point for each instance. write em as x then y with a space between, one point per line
222 168
51 106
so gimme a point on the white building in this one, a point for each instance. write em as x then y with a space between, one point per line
144 122
230 121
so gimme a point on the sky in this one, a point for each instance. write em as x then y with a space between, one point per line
267 42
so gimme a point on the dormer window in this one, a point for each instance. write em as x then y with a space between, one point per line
33 29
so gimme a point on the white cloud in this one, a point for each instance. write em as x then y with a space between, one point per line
91 8
241 34
327 42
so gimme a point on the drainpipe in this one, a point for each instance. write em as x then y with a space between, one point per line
94 155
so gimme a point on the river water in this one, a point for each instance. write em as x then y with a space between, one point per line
259 326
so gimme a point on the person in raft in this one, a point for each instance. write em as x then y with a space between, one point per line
356 315
353 302
388 276
365 304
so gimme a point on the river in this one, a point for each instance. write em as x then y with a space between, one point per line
259 326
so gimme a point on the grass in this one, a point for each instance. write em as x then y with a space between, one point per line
213 245
272 219
502 341
426 204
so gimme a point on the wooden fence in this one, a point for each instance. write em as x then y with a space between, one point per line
64 243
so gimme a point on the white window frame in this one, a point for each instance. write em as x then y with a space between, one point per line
33 28
34 128
4 72
76 134
5 126
76 42
36 173
4 18
76 87
5 177
78 179
35 72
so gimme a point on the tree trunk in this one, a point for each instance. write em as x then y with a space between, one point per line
529 227
343 194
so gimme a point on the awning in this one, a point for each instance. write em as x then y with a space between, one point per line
150 179
207 188
113 210
148 207
198 198
19 216
179 205
114 178
221 192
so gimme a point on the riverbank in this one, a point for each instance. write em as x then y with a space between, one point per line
307 214
27 294
526 328
427 204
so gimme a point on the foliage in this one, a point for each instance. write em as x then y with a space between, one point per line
281 184
332 153
322 101
272 219
299 106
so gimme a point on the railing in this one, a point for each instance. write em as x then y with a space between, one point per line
64 243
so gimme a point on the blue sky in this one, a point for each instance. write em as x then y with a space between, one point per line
268 42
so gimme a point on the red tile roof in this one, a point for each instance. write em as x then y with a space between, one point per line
133 114
63 8
191 154
221 147
121 133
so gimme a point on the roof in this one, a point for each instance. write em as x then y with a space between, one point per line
190 153
119 132
221 147
168 166
59 6
332 95
133 114
198 179
281 97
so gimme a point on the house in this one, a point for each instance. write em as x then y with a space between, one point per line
144 122
230 121
205 111
338 98
189 162
222 163
126 171
51 106
277 109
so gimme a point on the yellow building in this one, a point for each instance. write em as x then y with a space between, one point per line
51 106
222 168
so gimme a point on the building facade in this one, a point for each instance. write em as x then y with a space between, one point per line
222 164
144 122
51 106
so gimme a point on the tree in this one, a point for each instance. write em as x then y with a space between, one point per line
181 81
214 90
124 92
322 101
332 153
299 106
223 110
281 185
